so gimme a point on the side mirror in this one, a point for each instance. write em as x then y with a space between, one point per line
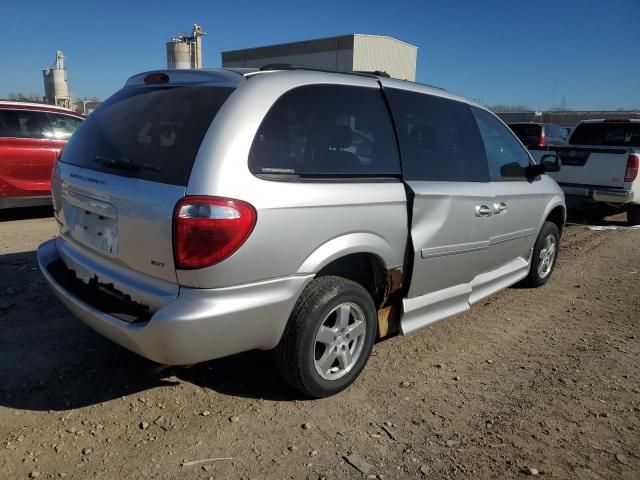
548 163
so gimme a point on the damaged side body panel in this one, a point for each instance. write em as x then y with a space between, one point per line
391 305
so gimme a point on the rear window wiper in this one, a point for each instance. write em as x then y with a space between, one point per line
124 163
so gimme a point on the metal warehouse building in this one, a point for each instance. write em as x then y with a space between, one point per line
344 53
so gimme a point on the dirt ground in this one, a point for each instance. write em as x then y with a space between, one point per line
542 380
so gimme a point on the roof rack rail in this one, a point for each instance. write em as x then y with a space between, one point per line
278 66
361 73
288 66
377 73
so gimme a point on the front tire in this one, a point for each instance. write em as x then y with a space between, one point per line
329 337
545 254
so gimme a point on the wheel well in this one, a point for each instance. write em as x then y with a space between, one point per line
557 216
365 269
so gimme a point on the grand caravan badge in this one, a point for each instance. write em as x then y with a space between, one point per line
84 178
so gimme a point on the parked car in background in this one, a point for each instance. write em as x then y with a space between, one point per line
600 166
31 138
207 213
543 135
568 132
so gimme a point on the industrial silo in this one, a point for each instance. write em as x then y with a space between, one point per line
56 87
185 51
178 53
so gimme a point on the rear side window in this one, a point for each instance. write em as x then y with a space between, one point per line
529 134
326 130
558 132
439 139
147 133
62 126
23 124
506 156
613 134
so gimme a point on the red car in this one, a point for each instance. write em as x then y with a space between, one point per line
31 138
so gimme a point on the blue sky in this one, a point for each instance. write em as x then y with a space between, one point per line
537 53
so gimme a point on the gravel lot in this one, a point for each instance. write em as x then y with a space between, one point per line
531 381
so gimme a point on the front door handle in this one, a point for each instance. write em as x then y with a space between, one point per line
499 208
483 211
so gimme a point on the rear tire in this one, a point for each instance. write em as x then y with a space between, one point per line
329 337
545 254
633 214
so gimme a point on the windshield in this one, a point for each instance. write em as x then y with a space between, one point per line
148 133
613 134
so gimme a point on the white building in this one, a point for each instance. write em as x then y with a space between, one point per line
354 52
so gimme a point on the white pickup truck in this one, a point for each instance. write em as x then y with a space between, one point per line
600 165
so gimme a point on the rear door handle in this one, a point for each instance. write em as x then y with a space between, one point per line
483 211
499 208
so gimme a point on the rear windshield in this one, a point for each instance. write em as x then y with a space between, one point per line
614 134
147 133
527 133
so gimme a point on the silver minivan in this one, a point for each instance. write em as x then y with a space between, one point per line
204 213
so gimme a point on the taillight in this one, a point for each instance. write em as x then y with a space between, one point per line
542 142
206 230
633 164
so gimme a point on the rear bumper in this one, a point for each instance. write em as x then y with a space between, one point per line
199 325
19 202
613 196
588 194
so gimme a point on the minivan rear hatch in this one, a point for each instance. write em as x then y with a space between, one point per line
126 167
